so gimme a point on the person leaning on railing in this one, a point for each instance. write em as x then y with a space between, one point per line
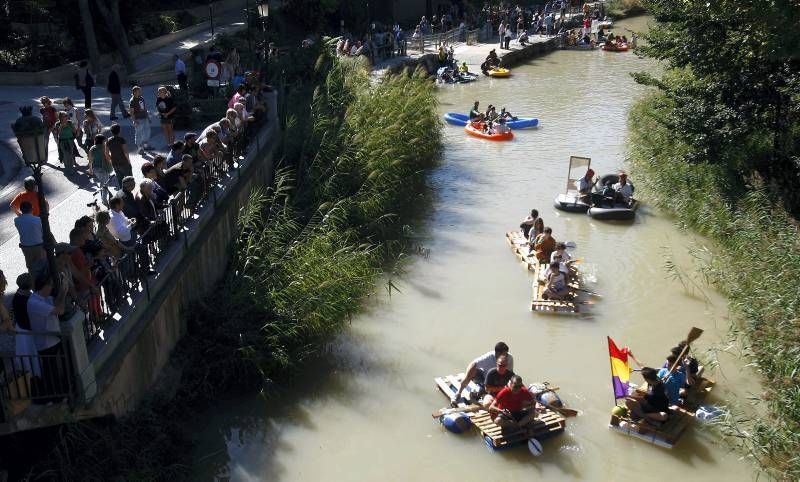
44 312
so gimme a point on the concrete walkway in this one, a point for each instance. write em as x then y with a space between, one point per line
67 196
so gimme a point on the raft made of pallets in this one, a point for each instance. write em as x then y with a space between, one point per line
521 248
547 424
667 434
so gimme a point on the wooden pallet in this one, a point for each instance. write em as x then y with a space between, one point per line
520 247
547 424
667 434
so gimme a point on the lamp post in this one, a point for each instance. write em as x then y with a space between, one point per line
32 137
263 15
211 16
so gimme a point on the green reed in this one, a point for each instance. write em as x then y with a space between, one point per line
756 265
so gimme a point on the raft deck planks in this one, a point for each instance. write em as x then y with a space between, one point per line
547 424
667 434
521 249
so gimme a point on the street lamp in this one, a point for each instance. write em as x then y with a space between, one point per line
263 15
32 137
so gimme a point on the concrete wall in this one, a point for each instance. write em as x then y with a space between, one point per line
136 351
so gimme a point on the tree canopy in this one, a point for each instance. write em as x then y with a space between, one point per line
733 81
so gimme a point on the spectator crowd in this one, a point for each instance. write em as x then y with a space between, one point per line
112 252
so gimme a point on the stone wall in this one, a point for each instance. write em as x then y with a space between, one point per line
132 357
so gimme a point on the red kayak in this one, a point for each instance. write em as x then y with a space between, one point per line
476 129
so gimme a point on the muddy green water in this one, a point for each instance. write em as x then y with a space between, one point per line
363 413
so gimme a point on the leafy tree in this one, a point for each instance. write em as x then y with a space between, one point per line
733 80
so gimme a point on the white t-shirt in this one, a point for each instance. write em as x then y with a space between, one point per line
625 191
41 312
488 360
119 226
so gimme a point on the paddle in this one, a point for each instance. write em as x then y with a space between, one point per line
593 293
445 411
694 334
567 412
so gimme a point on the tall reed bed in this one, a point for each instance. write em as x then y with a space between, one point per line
310 248
757 266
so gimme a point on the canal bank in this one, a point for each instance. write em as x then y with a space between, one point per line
370 396
474 55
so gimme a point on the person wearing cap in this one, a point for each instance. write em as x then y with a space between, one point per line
623 189
514 406
130 208
31 239
478 368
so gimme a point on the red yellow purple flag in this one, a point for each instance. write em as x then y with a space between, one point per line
620 370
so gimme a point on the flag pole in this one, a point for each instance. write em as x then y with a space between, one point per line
611 366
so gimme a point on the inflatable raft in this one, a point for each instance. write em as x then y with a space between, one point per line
612 210
458 119
507 136
571 203
498 72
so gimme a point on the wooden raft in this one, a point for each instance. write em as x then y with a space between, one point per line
547 424
667 434
558 307
520 247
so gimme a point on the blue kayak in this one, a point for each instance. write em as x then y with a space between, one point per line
461 120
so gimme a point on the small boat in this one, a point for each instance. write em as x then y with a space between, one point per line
449 76
615 47
547 424
612 210
506 136
499 72
458 119
667 434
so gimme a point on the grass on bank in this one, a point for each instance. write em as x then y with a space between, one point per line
309 249
757 266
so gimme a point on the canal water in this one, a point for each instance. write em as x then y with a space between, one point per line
363 412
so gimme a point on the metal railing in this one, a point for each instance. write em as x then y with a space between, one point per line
32 377
432 41
121 281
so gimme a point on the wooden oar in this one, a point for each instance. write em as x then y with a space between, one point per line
593 293
694 334
567 412
445 411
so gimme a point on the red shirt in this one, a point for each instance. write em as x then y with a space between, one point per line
30 196
82 264
514 402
